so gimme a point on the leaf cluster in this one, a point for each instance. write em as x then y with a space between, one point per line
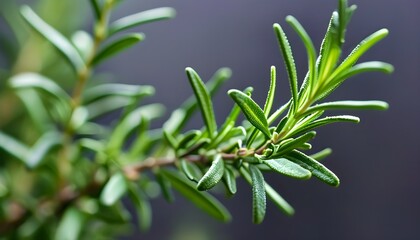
92 166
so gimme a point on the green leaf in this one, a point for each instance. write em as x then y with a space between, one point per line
173 143
191 171
324 121
140 18
360 49
39 82
117 46
117 89
36 109
372 66
143 208
289 62
271 194
83 43
288 168
258 195
106 105
271 93
165 186
203 100
70 225
310 49
131 122
344 13
55 38
213 175
251 110
44 145
278 200
230 180
114 189
290 145
180 116
278 113
13 147
317 169
96 8
202 200
189 139
369 105
321 154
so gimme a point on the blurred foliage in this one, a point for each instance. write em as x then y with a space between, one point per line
63 173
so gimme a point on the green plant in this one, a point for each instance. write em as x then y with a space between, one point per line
76 170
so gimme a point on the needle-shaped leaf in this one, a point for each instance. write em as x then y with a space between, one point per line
325 121
202 200
319 156
117 46
213 175
191 171
180 116
310 49
251 110
317 169
114 189
271 194
360 49
290 145
13 147
140 18
230 180
370 105
258 194
344 14
54 37
70 225
373 66
203 100
289 62
271 92
288 168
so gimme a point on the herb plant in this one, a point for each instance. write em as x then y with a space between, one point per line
76 170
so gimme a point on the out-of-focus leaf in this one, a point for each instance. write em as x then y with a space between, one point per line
131 121
114 189
143 208
278 200
317 169
251 110
319 156
54 37
71 225
83 43
117 89
213 175
203 100
14 147
96 8
36 109
202 200
165 186
140 18
117 46
42 147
